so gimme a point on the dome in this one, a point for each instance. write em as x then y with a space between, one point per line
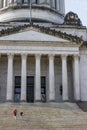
72 19
42 10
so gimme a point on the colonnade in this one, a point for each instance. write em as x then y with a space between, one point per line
37 94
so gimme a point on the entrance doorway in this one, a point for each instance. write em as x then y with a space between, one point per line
17 90
43 89
30 89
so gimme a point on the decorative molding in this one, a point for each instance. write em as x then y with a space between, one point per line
72 19
84 45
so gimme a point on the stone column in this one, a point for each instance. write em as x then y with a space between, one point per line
11 2
48 2
57 5
1 4
52 3
4 3
10 78
25 2
17 2
62 6
76 78
51 79
37 79
23 77
64 78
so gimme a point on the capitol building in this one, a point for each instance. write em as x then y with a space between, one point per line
43 52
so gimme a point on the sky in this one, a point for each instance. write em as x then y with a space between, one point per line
79 7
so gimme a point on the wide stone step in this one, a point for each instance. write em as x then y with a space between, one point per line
41 118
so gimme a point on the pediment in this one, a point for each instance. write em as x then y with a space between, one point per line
32 35
37 33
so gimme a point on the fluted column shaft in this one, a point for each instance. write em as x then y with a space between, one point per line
64 77
10 78
76 78
51 79
23 77
1 4
62 6
37 78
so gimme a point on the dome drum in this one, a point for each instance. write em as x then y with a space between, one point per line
44 10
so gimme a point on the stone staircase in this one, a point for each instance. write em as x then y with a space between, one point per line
43 117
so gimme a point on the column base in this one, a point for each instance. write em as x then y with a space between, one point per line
23 101
66 101
51 101
37 101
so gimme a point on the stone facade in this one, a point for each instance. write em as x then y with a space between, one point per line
44 61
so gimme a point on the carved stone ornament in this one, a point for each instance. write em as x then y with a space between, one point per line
72 19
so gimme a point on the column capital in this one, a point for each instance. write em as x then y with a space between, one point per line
76 56
51 55
24 55
10 55
37 55
64 56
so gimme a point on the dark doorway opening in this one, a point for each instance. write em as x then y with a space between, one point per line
17 90
43 89
30 89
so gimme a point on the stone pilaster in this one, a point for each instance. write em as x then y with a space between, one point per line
51 79
10 78
64 78
37 78
76 78
23 77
